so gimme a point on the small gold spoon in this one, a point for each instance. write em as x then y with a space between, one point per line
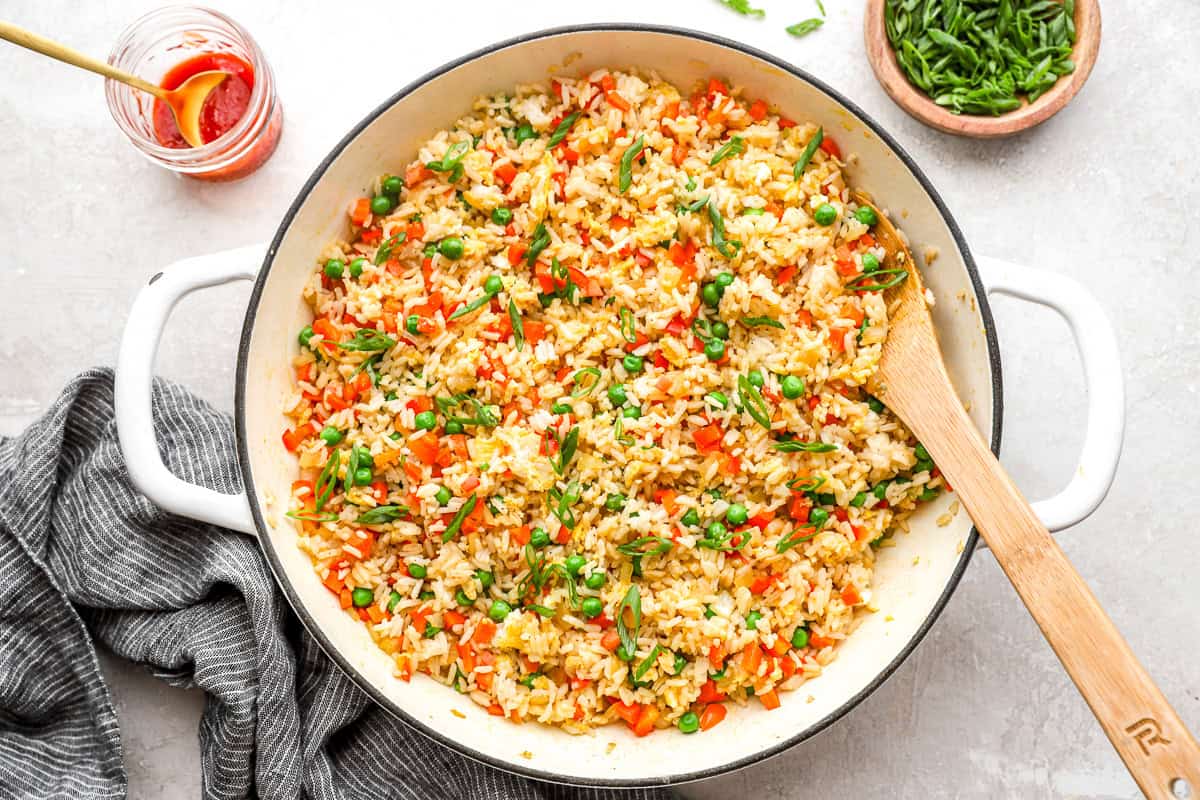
185 102
911 380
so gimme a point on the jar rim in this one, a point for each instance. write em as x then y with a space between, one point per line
190 156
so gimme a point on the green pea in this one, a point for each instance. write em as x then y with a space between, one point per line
928 493
426 595
501 215
451 247
711 295
394 599
454 427
461 598
633 364
880 490
330 435
425 421
714 349
615 502
875 404
443 495
737 514
756 379
870 263
575 564
825 214
524 132
632 412
866 215
689 723
381 204
334 268
716 530
826 499
818 517
562 408
752 620
724 280
691 518
499 610
923 466
921 453
417 570
592 607
624 654
363 476
616 395
859 500
720 330
539 538
594 580
709 613
392 184
493 285
430 250
791 386
718 399
485 578
412 324
800 638
362 597
356 267
306 333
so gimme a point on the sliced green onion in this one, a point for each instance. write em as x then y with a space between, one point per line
634 150
734 147
584 386
753 402
761 322
628 326
518 326
632 602
560 132
457 522
381 514
809 150
804 447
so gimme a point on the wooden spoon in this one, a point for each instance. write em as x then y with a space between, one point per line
912 381
185 102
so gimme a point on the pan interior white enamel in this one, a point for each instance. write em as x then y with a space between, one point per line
911 577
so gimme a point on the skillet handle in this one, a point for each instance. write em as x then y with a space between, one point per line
1096 342
135 373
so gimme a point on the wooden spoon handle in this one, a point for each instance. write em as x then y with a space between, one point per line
47 47
1149 736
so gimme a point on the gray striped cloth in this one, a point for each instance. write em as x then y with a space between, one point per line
84 558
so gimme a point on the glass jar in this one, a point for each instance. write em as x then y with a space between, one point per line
162 39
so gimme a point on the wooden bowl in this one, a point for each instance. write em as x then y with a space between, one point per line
920 106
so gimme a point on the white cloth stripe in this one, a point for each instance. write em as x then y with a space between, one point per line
83 557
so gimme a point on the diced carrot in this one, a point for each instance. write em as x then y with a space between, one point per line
708 438
419 404
495 709
672 110
758 111
785 275
716 655
304 372
292 439
466 654
782 645
816 641
761 584
302 489
346 598
712 715
470 484
610 641
579 684
769 699
761 520
731 465
751 659
563 536
717 86
645 721
785 123
419 616
453 618
850 595
505 172
788 667
516 252
830 146
404 666
485 631
837 336
424 448
361 211
709 693
333 583
666 498
376 614
679 152
415 174
804 318
630 712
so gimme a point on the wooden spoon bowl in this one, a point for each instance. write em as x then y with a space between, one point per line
922 108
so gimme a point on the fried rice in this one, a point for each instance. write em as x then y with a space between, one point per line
580 420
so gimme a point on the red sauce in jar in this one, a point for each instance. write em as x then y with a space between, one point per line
223 107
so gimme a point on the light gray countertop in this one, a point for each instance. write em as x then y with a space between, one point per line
1107 192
